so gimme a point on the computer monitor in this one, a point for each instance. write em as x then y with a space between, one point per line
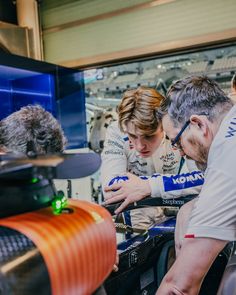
57 89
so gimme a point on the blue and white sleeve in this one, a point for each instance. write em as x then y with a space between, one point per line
174 186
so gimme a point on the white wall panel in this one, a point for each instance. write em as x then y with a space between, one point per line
164 23
77 10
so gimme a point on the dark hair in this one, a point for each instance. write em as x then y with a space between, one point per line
195 95
32 129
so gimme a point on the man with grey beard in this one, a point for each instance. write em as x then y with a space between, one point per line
201 123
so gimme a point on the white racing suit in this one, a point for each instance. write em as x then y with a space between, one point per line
163 169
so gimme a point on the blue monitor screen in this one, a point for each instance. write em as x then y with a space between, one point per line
58 90
69 99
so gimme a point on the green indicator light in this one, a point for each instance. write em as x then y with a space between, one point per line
64 201
34 180
58 204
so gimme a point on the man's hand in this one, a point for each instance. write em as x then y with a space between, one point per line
115 266
132 190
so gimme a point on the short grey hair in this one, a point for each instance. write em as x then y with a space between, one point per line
33 128
196 95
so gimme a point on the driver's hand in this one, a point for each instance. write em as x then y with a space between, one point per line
131 190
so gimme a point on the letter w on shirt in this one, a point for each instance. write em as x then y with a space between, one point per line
231 129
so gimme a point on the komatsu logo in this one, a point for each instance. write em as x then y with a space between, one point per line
191 177
183 181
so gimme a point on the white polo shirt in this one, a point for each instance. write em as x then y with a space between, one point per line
214 214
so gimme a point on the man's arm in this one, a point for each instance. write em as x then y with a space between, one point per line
165 186
187 273
114 159
182 220
187 181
